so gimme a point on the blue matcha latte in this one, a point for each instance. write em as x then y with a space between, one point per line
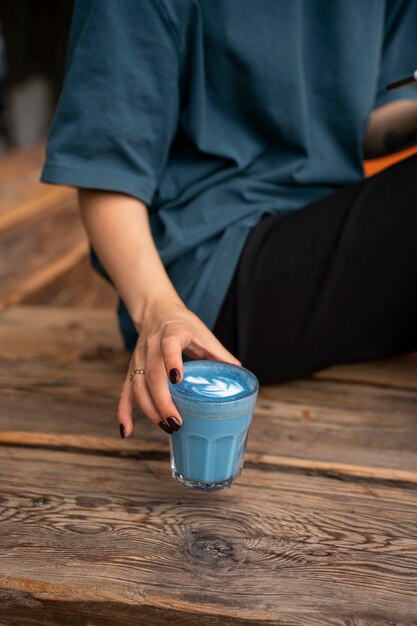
216 401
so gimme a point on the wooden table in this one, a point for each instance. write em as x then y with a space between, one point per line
320 528
43 246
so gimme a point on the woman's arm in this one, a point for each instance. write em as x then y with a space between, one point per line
118 228
391 128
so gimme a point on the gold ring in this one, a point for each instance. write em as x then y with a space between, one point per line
140 371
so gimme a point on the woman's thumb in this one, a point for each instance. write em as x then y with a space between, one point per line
218 352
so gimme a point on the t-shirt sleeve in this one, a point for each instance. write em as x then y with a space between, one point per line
399 52
118 109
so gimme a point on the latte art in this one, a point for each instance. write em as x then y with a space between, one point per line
208 382
217 387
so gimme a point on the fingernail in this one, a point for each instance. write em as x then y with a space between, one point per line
122 431
165 427
174 423
174 376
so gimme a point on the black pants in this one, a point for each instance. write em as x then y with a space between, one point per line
334 282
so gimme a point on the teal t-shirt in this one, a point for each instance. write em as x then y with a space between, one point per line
213 112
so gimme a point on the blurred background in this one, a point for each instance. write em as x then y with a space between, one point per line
44 255
33 38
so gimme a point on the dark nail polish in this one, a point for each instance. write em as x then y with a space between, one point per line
122 431
174 376
174 423
165 427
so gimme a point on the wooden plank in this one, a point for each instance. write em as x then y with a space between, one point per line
59 334
34 252
70 280
64 368
152 449
15 334
81 399
78 286
72 401
20 162
21 200
400 371
87 537
22 195
345 396
45 275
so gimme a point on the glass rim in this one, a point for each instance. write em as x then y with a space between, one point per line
249 393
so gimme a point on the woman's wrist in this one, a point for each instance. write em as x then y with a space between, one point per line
155 308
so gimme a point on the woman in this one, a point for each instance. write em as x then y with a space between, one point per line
217 148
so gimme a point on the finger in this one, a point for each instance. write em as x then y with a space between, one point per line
140 392
125 410
156 380
225 355
144 400
211 348
171 349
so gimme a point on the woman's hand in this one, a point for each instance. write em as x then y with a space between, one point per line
164 333
117 226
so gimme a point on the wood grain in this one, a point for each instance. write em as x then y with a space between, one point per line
82 400
58 333
78 286
31 253
43 254
318 530
278 548
400 371
21 200
45 275
66 367
152 449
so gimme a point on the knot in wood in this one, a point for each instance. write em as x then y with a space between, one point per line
41 501
211 549
13 598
